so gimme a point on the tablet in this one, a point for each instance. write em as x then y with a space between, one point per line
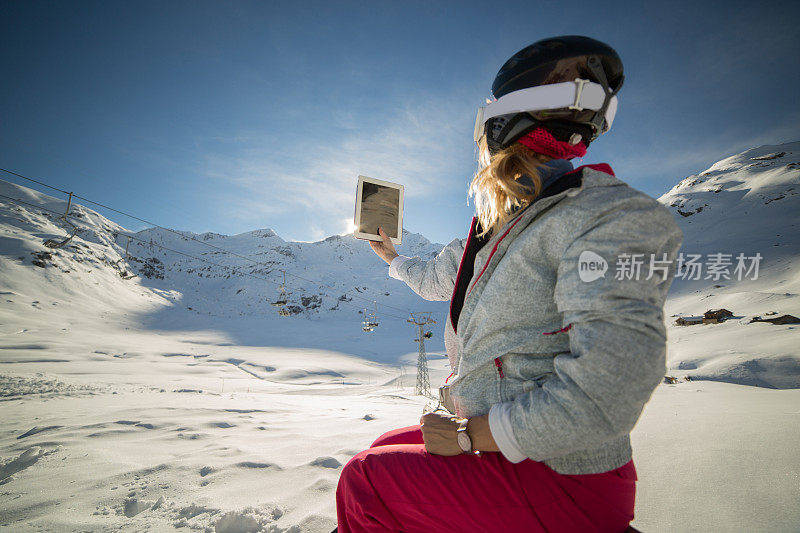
378 204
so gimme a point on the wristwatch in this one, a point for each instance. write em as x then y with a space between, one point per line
464 442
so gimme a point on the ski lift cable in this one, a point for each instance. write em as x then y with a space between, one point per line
225 267
34 181
255 262
104 206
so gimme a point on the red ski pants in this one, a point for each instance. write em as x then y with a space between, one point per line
398 486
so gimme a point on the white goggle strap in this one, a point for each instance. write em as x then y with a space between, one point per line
576 95
479 125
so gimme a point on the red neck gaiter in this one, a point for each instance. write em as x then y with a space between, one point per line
542 141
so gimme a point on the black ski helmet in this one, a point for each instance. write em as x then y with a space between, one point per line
556 60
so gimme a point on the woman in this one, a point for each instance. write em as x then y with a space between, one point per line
555 333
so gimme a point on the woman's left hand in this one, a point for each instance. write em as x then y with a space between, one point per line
439 433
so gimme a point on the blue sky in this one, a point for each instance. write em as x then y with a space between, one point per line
233 116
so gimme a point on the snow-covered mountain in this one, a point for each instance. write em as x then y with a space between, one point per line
749 202
178 398
199 284
746 204
158 391
339 274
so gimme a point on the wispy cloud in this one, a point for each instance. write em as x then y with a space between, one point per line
418 145
656 168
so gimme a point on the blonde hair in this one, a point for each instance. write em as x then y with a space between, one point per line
498 193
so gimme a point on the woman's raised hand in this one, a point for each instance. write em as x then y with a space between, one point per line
385 249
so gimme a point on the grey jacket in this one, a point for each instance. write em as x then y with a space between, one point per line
575 360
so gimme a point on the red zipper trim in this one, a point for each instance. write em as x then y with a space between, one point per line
499 364
494 249
562 330
448 377
601 167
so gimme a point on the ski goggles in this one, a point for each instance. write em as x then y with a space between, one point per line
569 96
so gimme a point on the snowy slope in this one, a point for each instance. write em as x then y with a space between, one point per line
339 274
329 283
123 409
748 203
178 400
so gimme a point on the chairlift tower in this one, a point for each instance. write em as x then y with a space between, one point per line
423 387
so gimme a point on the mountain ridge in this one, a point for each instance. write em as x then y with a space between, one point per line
746 203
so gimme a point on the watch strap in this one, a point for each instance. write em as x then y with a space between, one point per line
463 438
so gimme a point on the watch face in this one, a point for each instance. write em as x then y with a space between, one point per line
464 441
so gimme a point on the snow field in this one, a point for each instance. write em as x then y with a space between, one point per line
179 401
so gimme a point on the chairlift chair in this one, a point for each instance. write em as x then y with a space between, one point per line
370 321
280 303
366 324
372 318
52 243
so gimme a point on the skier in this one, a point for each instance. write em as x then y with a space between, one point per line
553 354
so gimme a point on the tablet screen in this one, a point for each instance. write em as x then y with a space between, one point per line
380 207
